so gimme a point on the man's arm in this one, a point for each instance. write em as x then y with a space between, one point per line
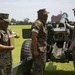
2 47
73 42
34 43
14 35
69 26
72 45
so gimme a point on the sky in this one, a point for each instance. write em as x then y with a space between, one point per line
21 9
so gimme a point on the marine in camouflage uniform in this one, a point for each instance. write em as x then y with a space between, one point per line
73 52
39 42
72 46
5 46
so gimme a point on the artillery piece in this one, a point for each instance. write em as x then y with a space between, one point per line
61 41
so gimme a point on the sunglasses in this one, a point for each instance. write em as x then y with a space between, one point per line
4 16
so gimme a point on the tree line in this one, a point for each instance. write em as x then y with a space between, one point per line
20 22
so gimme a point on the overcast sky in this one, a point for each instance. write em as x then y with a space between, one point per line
20 9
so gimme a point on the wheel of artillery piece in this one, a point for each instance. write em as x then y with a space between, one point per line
26 53
26 50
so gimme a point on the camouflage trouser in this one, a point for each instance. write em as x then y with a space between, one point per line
6 70
73 55
39 63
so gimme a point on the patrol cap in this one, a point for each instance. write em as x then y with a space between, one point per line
42 11
4 16
73 9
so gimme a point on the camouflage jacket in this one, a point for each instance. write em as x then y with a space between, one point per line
5 55
41 29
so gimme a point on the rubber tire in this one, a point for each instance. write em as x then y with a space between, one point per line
26 53
26 50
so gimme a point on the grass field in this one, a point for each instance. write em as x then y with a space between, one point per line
52 68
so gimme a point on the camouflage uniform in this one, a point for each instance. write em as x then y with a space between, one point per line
5 55
39 61
73 51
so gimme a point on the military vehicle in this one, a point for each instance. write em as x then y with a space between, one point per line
59 39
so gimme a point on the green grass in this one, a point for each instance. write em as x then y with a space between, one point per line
52 68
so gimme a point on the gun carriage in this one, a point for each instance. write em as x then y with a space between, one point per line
58 49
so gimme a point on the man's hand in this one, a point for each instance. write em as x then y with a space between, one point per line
11 47
14 36
17 35
36 53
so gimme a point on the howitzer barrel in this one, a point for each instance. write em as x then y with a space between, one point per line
63 18
60 33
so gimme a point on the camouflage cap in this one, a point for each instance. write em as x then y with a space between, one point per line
4 16
42 11
73 9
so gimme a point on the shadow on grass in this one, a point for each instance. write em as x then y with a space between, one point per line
51 66
60 72
51 70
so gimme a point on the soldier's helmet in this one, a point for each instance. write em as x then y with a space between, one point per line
4 17
42 11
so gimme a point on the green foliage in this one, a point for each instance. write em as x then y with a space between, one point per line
53 68
16 22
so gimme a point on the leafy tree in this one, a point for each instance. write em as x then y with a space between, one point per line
13 21
26 20
16 22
